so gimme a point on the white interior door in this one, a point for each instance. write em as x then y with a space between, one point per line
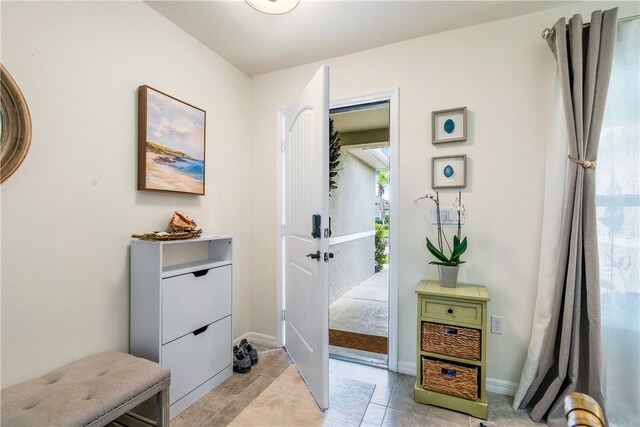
306 191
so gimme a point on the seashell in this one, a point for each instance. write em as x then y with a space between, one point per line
586 164
181 222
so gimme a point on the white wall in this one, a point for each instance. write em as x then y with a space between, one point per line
504 73
69 210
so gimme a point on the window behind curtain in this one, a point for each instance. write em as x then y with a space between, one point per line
618 212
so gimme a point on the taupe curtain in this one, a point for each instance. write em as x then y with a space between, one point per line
571 354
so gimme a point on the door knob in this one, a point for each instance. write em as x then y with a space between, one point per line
328 255
315 256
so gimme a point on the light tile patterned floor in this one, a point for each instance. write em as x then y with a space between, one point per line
273 393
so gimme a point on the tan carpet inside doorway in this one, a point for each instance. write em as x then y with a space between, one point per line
288 402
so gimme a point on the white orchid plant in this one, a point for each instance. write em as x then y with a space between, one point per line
459 246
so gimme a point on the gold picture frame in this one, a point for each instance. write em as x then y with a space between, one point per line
16 126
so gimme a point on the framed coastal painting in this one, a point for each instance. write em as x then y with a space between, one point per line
449 125
171 143
449 172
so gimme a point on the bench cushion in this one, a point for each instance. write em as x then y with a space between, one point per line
80 392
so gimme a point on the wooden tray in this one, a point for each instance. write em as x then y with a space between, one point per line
174 235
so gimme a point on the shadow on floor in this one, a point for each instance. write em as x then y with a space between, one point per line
273 393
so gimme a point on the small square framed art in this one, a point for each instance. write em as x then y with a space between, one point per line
449 172
449 125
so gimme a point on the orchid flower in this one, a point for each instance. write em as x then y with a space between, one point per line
459 246
460 207
429 196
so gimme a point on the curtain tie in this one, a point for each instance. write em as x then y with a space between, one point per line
584 163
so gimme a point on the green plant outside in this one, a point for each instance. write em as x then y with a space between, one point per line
334 156
380 244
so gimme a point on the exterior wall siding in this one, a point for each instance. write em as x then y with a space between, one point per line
351 207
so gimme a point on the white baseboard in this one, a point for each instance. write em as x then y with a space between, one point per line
407 368
257 338
507 388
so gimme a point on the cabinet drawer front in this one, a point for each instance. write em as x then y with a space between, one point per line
451 341
193 359
452 310
190 301
450 378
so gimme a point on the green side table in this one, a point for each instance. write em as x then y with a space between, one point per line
452 347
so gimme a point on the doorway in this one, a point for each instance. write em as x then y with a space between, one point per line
392 97
378 147
359 212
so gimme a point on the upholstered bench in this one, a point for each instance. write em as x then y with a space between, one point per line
90 392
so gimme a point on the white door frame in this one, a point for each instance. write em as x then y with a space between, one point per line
392 96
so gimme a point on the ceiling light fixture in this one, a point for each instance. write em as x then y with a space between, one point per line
273 7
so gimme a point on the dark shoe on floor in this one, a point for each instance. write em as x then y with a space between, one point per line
249 350
241 361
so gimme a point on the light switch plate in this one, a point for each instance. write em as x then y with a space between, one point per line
448 216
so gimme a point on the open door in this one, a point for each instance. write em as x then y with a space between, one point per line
306 319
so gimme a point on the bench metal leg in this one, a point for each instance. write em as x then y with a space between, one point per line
162 406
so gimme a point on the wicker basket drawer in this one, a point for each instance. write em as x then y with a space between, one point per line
450 378
451 341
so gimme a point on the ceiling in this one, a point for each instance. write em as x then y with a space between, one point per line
257 43
360 119
375 117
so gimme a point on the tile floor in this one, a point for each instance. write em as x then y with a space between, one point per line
273 393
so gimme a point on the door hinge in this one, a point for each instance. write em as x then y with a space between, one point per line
283 315
282 145
284 230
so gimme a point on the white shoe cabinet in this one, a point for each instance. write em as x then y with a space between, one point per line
181 315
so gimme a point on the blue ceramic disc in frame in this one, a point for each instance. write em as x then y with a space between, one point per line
448 171
449 126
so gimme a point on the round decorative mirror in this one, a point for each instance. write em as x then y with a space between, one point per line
15 126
